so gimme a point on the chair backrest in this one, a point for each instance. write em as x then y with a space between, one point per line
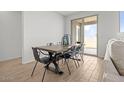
78 42
72 48
78 48
36 54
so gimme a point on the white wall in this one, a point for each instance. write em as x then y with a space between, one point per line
39 29
108 27
42 27
10 35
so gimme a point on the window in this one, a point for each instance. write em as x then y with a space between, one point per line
77 33
122 21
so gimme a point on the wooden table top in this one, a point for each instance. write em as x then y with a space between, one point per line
55 48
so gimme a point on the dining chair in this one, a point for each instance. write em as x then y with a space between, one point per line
44 60
78 52
73 54
78 42
69 55
81 52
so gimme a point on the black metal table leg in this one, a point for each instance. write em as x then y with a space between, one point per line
53 60
57 69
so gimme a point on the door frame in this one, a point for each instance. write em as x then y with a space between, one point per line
83 34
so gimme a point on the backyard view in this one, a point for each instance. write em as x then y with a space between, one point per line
90 39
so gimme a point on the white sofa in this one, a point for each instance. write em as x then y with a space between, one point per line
110 72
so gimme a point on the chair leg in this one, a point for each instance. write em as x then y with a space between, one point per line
34 69
82 57
44 74
75 63
68 67
77 60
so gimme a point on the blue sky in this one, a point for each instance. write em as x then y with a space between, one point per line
90 30
122 21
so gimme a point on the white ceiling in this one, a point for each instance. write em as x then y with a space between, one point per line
67 13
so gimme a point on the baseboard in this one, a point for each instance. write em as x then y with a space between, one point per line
94 56
10 59
26 62
90 54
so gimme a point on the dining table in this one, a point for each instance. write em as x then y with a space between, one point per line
53 51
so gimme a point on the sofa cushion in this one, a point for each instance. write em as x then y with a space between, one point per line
117 56
110 68
108 49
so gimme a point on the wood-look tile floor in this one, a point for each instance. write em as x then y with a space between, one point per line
89 71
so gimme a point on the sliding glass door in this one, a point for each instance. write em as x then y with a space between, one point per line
90 39
84 30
